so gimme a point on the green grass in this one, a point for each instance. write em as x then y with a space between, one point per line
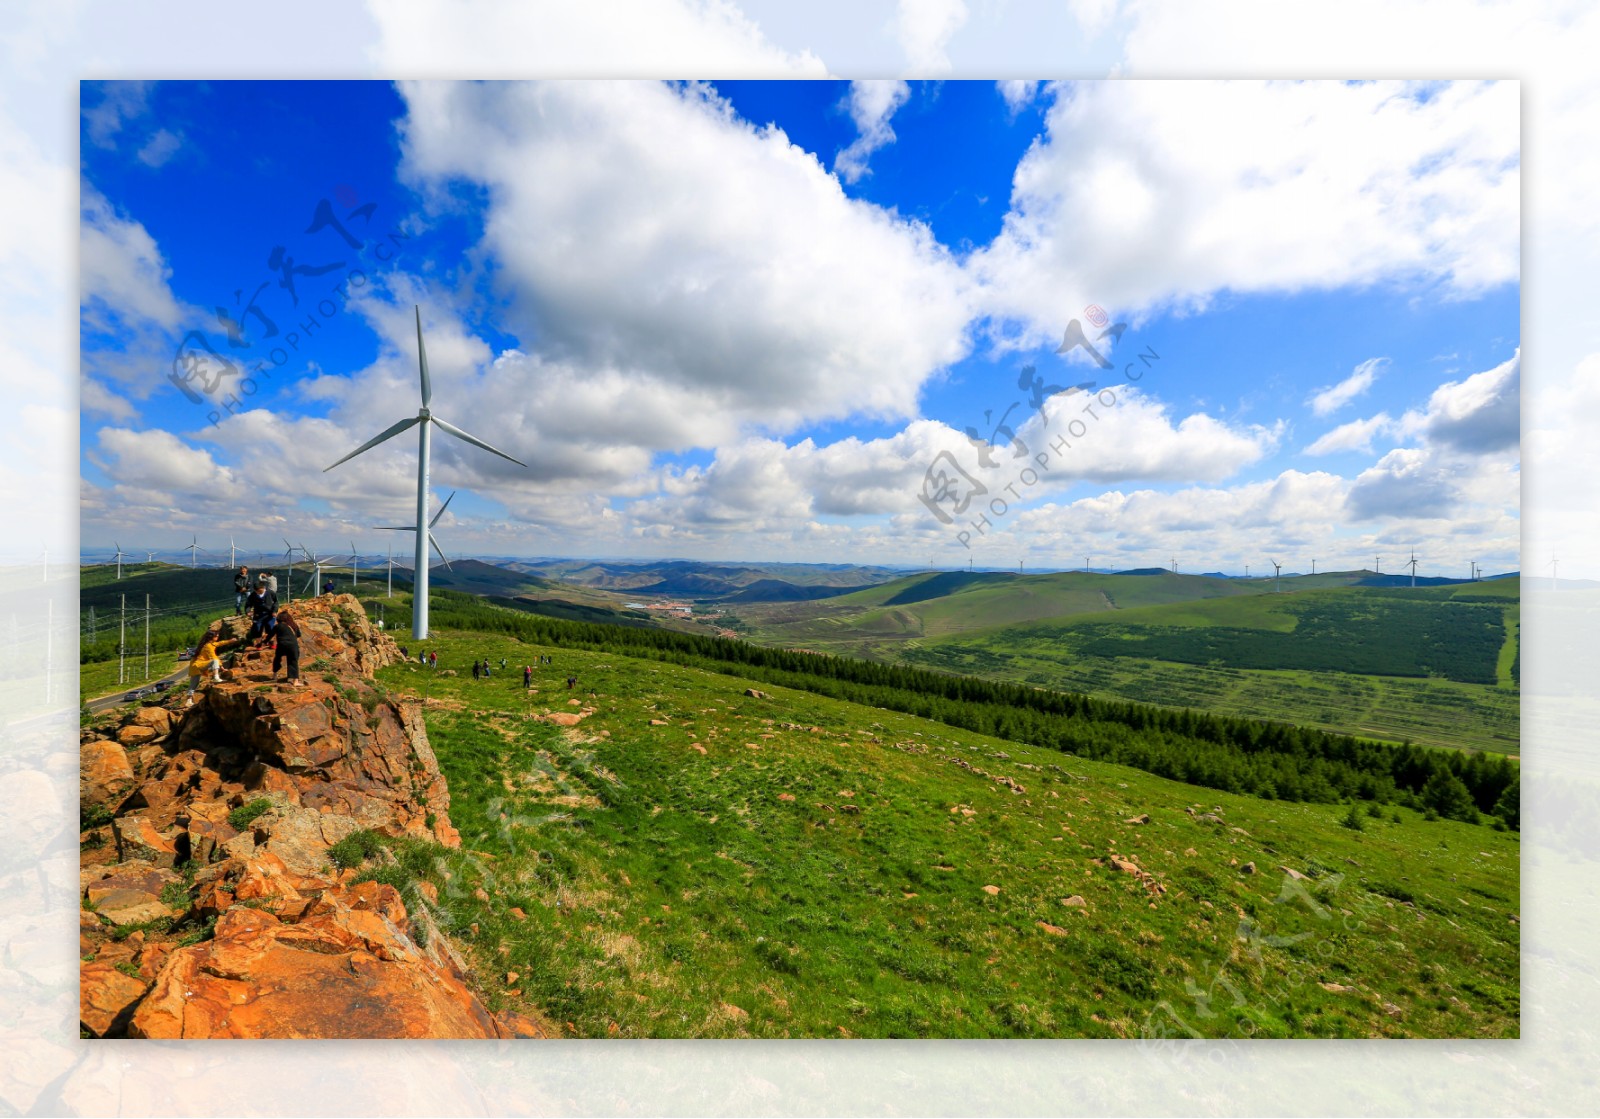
1433 665
672 893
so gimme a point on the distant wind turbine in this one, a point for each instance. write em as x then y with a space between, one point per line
288 582
233 553
193 549
119 555
355 566
425 421
390 564
1413 563
315 583
1552 571
149 557
1277 576
431 540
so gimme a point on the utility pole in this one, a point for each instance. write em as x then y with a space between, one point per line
147 637
1313 567
122 644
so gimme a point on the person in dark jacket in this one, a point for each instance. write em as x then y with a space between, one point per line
241 589
527 676
477 670
263 608
288 632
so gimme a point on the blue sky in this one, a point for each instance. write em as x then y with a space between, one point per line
751 320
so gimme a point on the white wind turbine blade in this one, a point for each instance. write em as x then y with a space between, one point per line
442 508
422 361
389 433
440 550
473 439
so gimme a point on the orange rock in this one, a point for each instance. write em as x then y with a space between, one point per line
135 735
1053 930
105 998
516 911
344 972
991 890
137 838
104 772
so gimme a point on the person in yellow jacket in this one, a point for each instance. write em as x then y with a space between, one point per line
207 658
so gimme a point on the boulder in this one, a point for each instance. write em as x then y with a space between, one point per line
137 838
1074 902
131 907
158 719
135 735
348 970
142 877
105 998
754 693
206 838
105 774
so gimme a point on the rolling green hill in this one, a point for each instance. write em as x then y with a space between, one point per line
1435 665
694 860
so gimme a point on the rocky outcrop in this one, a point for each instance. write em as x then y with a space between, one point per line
215 856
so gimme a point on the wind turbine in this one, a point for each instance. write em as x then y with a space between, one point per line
288 582
120 554
149 557
1413 563
233 557
1277 576
431 540
1377 565
390 564
193 549
1174 565
424 421
1552 571
316 577
355 566
1313 567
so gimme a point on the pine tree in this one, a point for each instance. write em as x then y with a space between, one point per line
1509 806
1448 796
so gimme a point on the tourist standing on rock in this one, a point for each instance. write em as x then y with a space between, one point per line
241 589
263 607
288 631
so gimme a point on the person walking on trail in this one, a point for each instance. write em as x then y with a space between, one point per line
206 660
433 660
263 608
241 589
477 670
527 676
571 680
288 631
502 664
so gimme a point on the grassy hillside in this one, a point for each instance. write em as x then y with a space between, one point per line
1434 665
693 861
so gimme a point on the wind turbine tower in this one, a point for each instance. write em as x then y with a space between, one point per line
120 554
355 566
1552 571
233 557
424 421
1277 576
390 564
193 549
1413 564
288 582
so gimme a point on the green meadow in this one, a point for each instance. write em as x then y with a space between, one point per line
693 861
